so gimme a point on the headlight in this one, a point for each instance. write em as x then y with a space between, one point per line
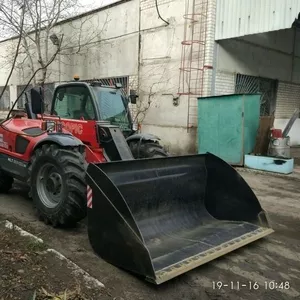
275 143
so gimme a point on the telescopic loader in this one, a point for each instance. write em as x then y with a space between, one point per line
152 214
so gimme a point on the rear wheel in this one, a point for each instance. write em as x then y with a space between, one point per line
147 149
6 182
57 181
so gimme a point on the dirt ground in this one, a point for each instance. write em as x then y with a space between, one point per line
29 271
275 258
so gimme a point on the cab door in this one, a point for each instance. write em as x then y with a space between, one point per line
74 105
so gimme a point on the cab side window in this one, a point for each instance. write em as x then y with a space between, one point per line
75 103
89 108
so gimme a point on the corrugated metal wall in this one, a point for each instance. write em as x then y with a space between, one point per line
242 17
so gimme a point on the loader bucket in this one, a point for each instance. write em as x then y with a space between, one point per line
162 217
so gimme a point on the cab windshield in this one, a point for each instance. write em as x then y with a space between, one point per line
112 108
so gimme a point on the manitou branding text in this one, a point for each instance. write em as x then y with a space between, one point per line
73 127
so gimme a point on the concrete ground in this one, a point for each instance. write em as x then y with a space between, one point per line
274 258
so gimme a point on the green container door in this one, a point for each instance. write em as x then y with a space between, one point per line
251 121
227 126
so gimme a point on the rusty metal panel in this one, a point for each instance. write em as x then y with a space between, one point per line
262 138
243 17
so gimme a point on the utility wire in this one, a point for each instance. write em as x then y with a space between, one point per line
160 17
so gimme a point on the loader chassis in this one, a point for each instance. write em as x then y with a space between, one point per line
82 106
89 124
52 164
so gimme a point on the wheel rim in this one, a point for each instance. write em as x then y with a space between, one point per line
49 185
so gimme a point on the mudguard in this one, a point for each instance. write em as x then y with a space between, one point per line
143 137
62 139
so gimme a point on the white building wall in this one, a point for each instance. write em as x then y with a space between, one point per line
113 50
113 53
272 55
159 74
224 82
6 60
160 61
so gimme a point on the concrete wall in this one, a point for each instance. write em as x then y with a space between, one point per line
159 75
110 44
273 55
108 48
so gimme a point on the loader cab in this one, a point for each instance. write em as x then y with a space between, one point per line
113 107
74 102
83 101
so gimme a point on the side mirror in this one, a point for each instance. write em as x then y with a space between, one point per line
133 96
37 106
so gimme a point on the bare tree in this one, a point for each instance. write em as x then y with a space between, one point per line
142 106
17 50
43 34
151 90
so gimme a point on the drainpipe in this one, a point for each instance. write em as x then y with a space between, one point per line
293 54
139 63
210 51
139 47
214 70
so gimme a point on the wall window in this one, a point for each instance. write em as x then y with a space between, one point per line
4 101
265 86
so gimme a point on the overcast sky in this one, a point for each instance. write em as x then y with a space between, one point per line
92 4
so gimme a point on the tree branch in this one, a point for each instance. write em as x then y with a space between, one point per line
17 51
36 71
41 18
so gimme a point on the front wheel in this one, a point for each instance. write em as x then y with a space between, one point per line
147 149
57 181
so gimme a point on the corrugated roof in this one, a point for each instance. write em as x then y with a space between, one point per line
242 17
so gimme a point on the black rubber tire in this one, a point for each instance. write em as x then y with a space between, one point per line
147 149
6 182
71 165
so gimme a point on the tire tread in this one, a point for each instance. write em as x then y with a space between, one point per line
147 149
73 208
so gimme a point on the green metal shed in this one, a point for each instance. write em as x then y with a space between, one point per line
228 125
